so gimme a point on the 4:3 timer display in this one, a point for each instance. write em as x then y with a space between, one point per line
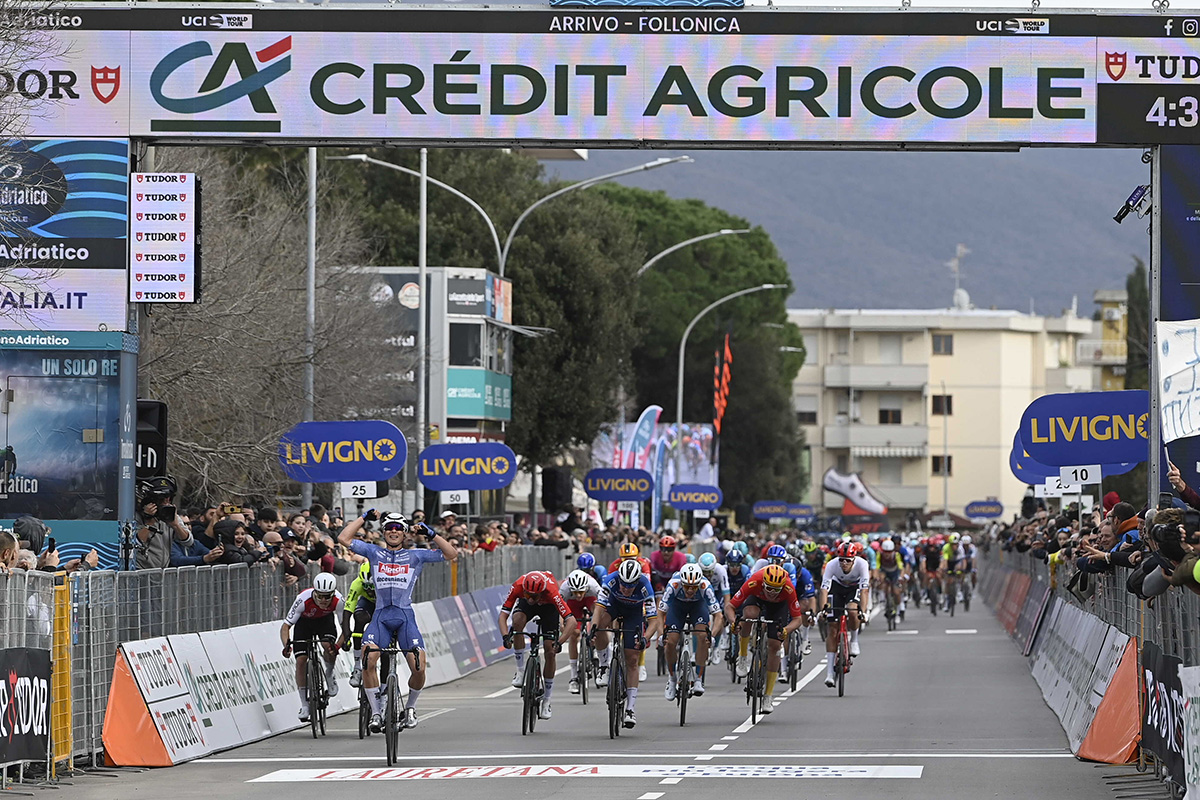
1183 112
1146 113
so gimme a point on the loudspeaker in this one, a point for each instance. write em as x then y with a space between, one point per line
556 488
151 439
744 514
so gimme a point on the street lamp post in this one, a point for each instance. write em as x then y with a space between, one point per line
683 346
685 243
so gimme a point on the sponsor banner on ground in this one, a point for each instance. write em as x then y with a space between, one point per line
483 620
24 704
228 686
208 701
1162 719
272 676
439 658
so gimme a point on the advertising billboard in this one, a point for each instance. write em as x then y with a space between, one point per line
164 254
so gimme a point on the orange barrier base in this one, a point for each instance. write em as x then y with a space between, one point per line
1116 730
130 738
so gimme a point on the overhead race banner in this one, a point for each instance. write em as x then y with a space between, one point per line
660 77
486 465
1070 429
618 484
331 452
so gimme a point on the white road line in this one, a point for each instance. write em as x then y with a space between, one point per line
651 795
437 711
669 781
704 758
728 738
800 684
718 747
952 631
902 633
813 756
508 689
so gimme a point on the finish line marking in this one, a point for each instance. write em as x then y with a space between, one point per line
818 756
783 771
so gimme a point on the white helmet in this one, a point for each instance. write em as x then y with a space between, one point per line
888 546
577 581
691 575
324 584
630 571
966 539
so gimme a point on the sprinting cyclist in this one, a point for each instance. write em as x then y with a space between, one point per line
803 582
587 563
687 601
814 558
768 594
718 578
847 582
952 557
395 569
629 551
580 591
535 594
736 570
969 553
312 614
360 605
891 572
664 563
931 554
628 596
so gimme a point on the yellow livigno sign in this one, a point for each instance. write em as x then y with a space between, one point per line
346 451
1098 427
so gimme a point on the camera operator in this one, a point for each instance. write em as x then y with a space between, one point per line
159 523
1176 537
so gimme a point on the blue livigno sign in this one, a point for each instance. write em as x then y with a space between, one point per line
694 496
481 466
800 511
770 509
329 452
1063 430
618 484
985 509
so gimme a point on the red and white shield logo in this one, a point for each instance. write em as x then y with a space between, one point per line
138 256
140 177
183 277
139 295
183 178
139 216
140 196
139 233
183 236
183 256
1114 65
182 295
182 216
139 276
106 82
183 198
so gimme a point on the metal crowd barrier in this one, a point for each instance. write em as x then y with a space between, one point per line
82 617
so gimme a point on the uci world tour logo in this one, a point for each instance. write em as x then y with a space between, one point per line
255 71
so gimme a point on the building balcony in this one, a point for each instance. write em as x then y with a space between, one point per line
1100 352
901 496
876 376
907 438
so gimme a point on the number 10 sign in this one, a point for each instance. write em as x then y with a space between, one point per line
1077 476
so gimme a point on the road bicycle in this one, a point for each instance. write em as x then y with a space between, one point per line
756 678
618 688
318 692
731 652
364 713
966 591
891 610
932 593
952 584
685 669
843 660
587 659
393 710
533 684
795 657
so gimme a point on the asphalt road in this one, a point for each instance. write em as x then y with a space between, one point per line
943 708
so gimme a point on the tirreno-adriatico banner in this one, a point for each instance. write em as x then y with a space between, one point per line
655 77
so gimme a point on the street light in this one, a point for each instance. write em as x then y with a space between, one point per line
685 243
587 183
786 349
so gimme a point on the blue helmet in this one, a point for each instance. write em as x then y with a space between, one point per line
776 551
585 561
735 557
691 559
708 562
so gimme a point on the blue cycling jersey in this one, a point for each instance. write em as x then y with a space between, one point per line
674 595
395 572
614 590
737 576
599 573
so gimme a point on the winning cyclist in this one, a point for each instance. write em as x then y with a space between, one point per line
360 605
395 567
846 581
580 592
716 575
687 601
312 614
535 594
769 594
629 597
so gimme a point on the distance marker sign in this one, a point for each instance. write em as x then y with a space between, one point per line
164 256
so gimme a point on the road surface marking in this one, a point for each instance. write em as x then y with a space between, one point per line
819 756
728 738
424 716
952 631
704 758
807 679
651 795
780 771
669 781
508 689
718 747
902 633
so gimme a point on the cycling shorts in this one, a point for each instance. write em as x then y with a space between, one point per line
308 627
682 615
545 613
776 614
394 624
951 566
633 621
891 575
840 596
362 618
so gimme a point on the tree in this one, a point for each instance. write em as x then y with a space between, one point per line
1132 485
760 447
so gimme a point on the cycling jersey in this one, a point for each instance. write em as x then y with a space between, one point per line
615 592
395 572
598 572
891 562
737 576
870 555
815 561
579 605
719 581
859 575
662 568
951 554
305 607
360 593
933 557
548 596
676 594
788 567
755 587
614 566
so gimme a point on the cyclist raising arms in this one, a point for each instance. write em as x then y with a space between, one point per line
535 594
847 581
395 568
769 594
687 601
580 592
629 597
312 614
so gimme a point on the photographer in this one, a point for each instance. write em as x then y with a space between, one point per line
159 524
1177 539
231 535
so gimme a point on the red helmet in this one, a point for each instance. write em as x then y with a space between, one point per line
535 583
666 541
875 546
824 549
846 550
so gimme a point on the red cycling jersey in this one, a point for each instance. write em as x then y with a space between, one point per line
755 587
645 562
306 607
549 596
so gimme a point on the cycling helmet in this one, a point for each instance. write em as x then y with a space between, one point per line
953 538
629 550
364 572
741 548
630 571
774 577
897 539
845 550
735 557
691 575
875 546
577 581
324 584
776 551
393 521
858 548
810 547
666 542
691 559
846 536
966 539
535 583
585 561
888 546
708 563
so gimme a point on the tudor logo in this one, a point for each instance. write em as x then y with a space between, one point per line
106 82
1114 65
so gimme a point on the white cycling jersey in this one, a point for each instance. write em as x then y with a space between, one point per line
593 590
859 575
719 580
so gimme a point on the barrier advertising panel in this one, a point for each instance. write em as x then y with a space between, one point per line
24 704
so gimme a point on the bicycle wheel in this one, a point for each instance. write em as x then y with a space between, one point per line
585 670
616 694
794 658
539 691
364 715
966 596
391 725
528 688
324 706
843 661
684 671
661 661
313 669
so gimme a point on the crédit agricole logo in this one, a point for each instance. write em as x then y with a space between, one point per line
255 71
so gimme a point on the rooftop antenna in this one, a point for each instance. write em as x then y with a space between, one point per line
960 300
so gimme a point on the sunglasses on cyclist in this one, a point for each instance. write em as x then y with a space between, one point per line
395 526
846 560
